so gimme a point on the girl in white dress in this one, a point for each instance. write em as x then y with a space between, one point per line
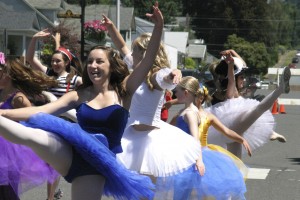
150 145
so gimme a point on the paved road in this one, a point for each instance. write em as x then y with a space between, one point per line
275 167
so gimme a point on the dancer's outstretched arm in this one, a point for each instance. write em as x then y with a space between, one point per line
63 104
229 133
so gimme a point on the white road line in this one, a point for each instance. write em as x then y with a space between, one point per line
258 173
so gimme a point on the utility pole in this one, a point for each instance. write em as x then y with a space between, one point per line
82 42
118 15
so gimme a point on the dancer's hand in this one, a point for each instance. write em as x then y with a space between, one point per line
156 17
247 147
43 33
56 37
229 59
200 167
228 52
175 76
106 22
167 105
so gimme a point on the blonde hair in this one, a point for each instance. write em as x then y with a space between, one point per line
161 60
191 84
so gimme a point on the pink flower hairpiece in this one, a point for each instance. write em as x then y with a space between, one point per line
2 58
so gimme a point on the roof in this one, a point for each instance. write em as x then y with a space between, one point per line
177 39
24 20
45 4
196 51
127 21
143 26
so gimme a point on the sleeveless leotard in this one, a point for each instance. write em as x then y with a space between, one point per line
7 104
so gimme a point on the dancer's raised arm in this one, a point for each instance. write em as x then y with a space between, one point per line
143 66
30 58
115 36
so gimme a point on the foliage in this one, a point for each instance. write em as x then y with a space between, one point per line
68 40
170 9
94 30
189 63
254 54
269 22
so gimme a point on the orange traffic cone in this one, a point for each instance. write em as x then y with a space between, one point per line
275 108
282 109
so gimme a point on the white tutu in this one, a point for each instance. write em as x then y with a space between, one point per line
229 111
161 152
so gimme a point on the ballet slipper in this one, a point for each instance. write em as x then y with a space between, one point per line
276 136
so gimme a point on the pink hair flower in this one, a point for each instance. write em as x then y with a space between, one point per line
2 58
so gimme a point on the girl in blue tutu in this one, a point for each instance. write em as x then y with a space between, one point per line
245 116
20 86
84 153
217 173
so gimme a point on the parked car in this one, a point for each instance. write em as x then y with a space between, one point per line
253 82
201 76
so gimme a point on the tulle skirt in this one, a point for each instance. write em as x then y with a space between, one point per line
160 152
21 168
229 112
222 180
120 183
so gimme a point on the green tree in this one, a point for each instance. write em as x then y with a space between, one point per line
255 54
68 40
170 8
189 63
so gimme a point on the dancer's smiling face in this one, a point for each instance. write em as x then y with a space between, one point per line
98 65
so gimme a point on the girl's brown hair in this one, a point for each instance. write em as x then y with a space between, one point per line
28 81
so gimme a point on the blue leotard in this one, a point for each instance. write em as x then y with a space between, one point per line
109 121
107 125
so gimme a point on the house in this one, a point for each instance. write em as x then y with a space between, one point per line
19 20
30 16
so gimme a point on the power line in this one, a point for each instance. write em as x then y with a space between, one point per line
257 20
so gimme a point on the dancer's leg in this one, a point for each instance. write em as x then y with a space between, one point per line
51 187
88 187
251 115
51 148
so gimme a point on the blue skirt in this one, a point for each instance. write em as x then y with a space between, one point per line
222 180
121 183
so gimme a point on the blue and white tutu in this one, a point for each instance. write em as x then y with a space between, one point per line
222 180
121 183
